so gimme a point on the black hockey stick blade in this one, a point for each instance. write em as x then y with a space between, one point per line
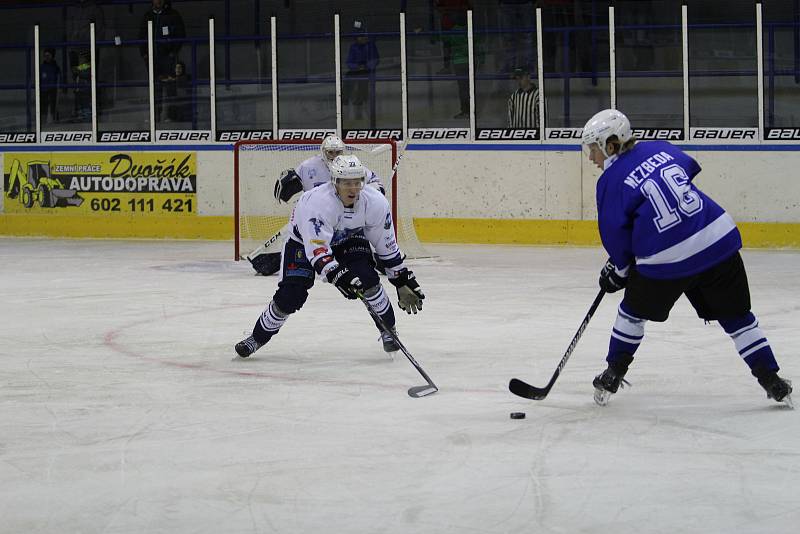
523 389
422 391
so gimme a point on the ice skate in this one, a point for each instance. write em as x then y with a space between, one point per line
777 388
609 381
247 346
389 343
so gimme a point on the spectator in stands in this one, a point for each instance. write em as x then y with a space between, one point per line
50 81
459 49
79 16
83 88
450 12
523 104
362 59
168 28
179 94
518 19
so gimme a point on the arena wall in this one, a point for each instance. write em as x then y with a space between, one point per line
519 194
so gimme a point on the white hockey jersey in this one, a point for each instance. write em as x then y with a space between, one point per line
314 172
320 221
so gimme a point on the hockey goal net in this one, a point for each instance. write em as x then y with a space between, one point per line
258 164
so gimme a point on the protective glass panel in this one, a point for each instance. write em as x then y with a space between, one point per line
576 61
186 99
64 75
180 66
244 83
438 69
370 59
649 62
17 100
781 63
306 81
722 64
123 95
505 62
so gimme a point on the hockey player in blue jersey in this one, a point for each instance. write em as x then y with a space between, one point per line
666 238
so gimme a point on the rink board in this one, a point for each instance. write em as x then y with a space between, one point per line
513 194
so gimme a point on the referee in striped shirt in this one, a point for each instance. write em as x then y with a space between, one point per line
523 104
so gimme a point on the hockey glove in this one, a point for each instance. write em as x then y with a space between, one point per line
287 185
345 281
610 280
409 294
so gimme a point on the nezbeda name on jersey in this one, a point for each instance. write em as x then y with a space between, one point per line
776 134
254 135
508 134
17 137
646 168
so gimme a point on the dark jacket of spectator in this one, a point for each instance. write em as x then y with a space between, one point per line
49 72
79 16
362 56
167 26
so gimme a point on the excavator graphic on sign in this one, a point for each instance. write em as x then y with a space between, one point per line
39 186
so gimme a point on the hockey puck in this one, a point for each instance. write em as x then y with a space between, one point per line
517 415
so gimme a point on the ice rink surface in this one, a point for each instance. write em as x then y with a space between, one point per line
123 409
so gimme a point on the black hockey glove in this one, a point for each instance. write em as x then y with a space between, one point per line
409 294
345 281
610 281
287 185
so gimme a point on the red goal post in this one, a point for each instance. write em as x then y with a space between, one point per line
258 164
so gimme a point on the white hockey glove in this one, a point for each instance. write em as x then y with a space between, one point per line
409 294
288 185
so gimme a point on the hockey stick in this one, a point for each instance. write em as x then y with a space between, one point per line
276 241
522 389
416 391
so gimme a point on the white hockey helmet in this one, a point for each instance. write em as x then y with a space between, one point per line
347 168
331 147
604 125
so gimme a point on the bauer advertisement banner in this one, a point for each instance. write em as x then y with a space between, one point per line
80 183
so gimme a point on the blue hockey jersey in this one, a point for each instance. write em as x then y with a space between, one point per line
650 214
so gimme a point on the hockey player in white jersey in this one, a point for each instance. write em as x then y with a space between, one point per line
332 228
311 173
666 238
315 171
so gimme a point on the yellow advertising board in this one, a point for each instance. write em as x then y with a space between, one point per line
102 183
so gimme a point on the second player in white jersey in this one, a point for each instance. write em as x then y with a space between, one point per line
311 173
315 171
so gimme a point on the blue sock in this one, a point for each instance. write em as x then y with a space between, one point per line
626 335
751 343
